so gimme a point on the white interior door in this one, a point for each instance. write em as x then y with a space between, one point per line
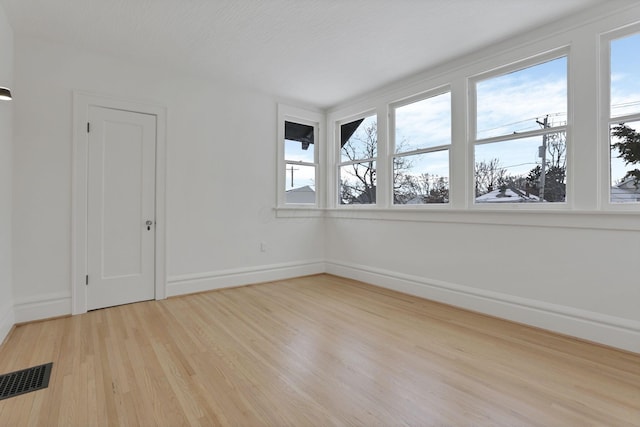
120 207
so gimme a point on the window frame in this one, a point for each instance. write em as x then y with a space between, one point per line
474 141
432 93
287 113
339 163
606 118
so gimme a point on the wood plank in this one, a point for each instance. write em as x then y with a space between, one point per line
318 350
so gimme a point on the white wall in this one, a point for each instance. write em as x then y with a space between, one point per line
6 112
572 272
576 281
221 191
221 156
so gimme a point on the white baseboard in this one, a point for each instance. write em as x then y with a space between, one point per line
7 320
600 328
42 307
191 283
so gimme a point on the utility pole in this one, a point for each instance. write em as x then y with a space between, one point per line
292 169
542 152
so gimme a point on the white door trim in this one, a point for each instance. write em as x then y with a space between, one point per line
81 103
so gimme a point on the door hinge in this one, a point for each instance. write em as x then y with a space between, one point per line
86 280
88 127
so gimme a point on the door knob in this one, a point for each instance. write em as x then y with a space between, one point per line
149 223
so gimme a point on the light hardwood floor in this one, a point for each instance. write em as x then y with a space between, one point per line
312 351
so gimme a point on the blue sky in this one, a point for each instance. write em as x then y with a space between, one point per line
516 101
625 76
425 124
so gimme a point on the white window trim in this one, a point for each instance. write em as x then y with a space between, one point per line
317 121
337 156
437 91
473 141
606 120
582 38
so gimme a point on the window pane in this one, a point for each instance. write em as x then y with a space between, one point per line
625 76
298 142
358 183
295 151
359 139
300 184
625 163
511 171
423 124
421 178
519 101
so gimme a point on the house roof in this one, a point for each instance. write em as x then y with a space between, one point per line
305 195
626 191
510 195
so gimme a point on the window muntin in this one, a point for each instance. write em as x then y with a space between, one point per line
357 166
514 102
520 147
422 138
300 154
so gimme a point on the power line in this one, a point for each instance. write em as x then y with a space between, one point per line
557 114
529 120
625 104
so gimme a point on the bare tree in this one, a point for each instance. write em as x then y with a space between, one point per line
555 170
433 188
359 186
557 150
489 176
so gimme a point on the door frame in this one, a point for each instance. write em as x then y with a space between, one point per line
81 103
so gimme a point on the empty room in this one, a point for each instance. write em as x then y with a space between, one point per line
320 212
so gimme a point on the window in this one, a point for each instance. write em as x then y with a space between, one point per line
624 120
300 161
357 164
298 150
520 135
421 151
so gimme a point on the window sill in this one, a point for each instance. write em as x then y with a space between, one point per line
562 217
558 218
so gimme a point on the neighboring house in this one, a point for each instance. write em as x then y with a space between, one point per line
365 197
423 200
417 200
305 195
627 191
507 195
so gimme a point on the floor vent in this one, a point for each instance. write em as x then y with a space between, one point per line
25 381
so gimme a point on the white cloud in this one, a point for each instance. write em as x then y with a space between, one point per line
424 124
510 107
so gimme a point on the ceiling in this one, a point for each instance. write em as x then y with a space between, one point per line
320 52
